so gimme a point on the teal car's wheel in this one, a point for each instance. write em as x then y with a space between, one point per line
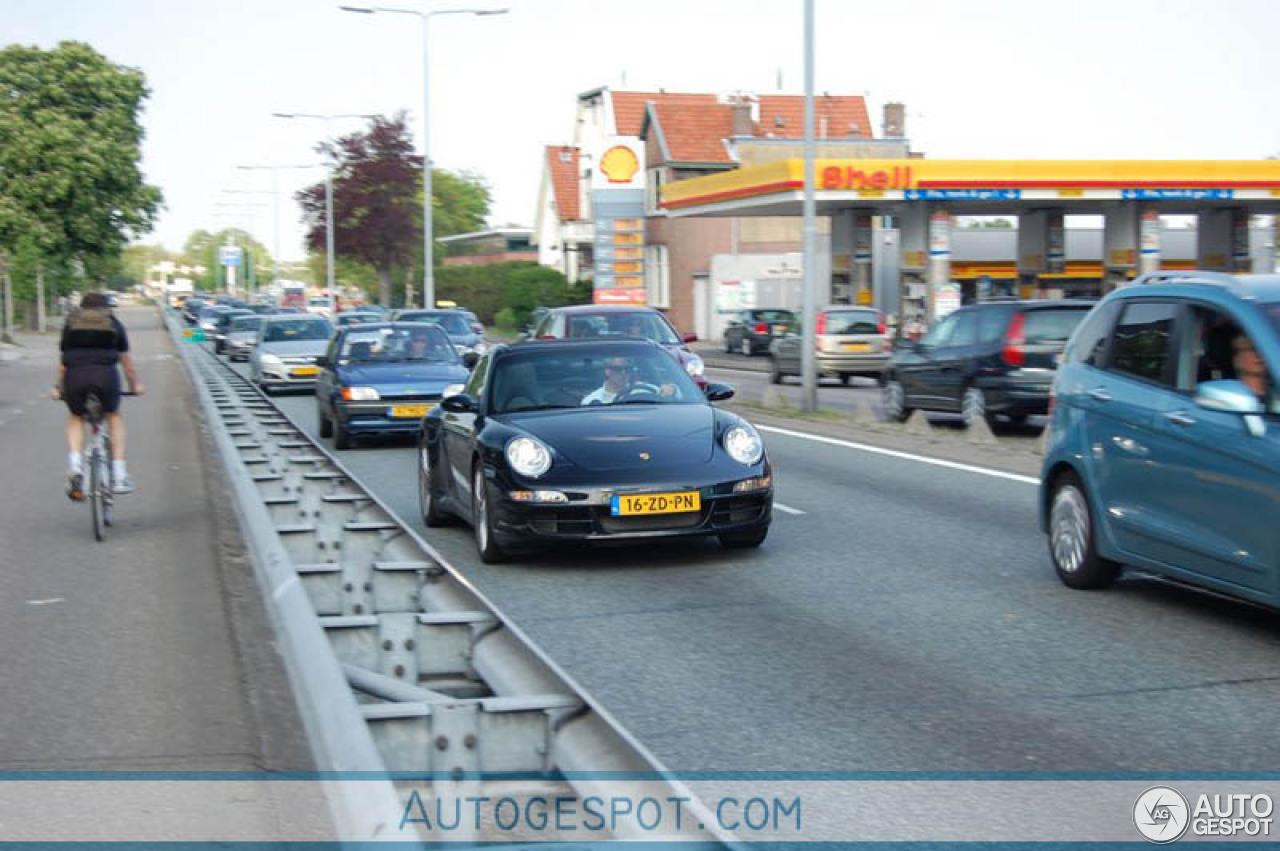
1072 544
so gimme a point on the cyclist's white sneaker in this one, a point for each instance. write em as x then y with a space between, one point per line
75 486
122 485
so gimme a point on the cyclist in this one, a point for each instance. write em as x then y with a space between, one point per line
93 342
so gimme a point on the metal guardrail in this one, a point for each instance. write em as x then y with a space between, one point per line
397 662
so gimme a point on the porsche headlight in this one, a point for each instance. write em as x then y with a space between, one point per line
744 445
528 457
360 394
694 366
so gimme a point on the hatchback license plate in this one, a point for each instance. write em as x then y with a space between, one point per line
304 371
628 505
410 410
857 347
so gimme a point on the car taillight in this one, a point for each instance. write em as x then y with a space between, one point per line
1015 339
762 328
882 327
822 323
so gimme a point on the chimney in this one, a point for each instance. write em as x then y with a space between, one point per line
895 121
742 123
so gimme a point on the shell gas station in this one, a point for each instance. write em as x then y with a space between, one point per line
922 198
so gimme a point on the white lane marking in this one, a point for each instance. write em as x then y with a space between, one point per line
893 453
786 508
46 602
759 372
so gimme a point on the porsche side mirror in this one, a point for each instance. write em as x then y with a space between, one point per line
718 392
460 404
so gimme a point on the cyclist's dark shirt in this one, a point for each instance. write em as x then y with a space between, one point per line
93 347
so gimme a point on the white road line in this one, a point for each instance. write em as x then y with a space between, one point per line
893 453
787 509
742 370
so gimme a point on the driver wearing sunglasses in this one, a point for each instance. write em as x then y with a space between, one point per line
619 381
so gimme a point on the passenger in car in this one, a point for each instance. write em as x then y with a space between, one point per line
1248 365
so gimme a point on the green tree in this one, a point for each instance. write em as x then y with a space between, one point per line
377 206
460 204
70 145
201 249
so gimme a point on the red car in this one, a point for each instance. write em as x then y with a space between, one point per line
604 320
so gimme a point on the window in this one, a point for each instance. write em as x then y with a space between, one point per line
653 191
1089 343
940 334
475 384
853 322
1140 346
966 333
657 280
1052 325
994 322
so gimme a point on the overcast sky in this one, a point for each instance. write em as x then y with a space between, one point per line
1086 79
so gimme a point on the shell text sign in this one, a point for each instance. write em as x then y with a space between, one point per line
619 164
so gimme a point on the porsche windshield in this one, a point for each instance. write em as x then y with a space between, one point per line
540 378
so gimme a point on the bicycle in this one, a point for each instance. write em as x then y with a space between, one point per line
97 465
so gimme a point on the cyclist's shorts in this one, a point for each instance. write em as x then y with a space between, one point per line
103 380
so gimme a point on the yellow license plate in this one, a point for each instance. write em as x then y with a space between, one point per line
304 371
629 505
857 347
409 410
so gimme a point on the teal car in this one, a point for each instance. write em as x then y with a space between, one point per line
1164 445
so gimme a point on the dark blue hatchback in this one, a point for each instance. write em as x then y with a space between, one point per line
382 378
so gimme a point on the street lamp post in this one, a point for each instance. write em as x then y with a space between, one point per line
250 273
243 217
808 367
328 191
428 263
275 199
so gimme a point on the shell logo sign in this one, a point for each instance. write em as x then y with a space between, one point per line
619 164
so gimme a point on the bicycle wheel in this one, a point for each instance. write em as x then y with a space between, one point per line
107 478
95 495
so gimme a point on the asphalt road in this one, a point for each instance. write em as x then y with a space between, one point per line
750 377
901 617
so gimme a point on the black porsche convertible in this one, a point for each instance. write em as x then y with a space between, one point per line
591 440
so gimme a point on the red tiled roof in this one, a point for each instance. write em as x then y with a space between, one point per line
695 133
694 127
628 107
564 180
839 110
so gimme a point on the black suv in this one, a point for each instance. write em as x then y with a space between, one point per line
751 331
984 360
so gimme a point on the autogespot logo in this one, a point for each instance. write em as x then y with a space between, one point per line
1161 814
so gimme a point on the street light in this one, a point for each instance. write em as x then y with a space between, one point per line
328 189
428 271
242 213
808 367
275 199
